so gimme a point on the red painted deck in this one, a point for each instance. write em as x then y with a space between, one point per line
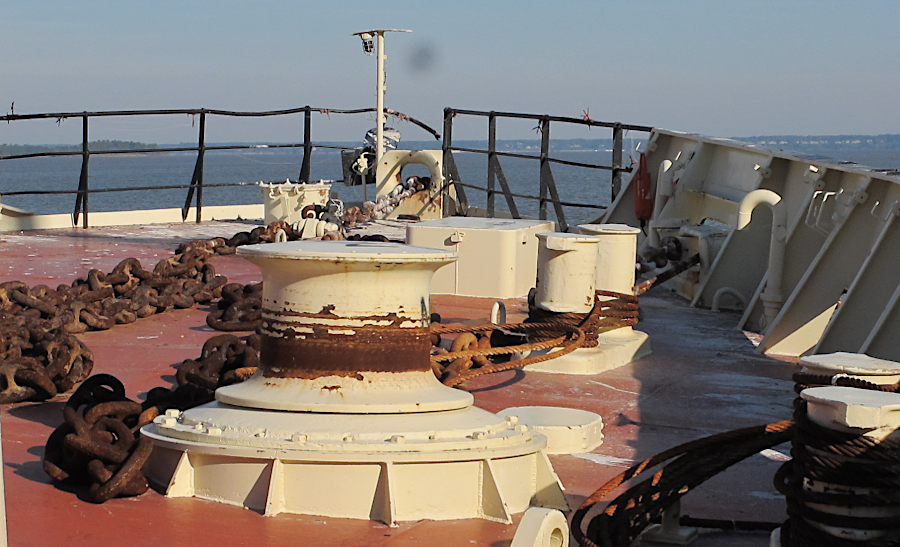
702 377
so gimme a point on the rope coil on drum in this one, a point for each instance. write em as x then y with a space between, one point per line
544 330
841 487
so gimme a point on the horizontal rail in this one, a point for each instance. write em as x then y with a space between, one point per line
533 157
183 111
536 198
196 111
178 149
131 188
538 117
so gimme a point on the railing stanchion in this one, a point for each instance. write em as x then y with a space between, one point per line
617 160
81 200
201 153
492 157
307 146
548 184
451 173
544 162
197 176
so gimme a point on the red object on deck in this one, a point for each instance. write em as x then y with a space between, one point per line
643 194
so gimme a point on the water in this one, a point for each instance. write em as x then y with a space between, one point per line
575 184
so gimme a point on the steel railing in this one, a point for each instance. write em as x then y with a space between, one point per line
195 188
548 193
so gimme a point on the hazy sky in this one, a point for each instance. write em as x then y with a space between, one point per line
722 68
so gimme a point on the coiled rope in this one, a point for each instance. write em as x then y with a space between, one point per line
544 329
839 469
690 464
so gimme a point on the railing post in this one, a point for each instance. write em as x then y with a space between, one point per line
545 163
492 157
201 152
451 174
307 146
197 177
81 200
617 160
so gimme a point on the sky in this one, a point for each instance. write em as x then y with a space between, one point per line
722 68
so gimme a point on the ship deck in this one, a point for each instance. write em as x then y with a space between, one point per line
702 377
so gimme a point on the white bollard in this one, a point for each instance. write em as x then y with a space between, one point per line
566 272
613 269
615 255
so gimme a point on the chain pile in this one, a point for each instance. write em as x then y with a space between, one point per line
470 353
240 308
99 445
689 465
261 234
224 360
40 357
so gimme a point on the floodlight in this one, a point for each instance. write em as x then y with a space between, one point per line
367 43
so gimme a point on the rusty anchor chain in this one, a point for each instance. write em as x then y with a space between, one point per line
40 357
224 360
99 446
240 308
261 234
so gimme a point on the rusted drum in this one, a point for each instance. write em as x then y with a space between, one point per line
342 319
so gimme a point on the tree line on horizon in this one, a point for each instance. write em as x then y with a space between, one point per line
93 146
784 142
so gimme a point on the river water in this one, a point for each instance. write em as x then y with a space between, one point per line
575 184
